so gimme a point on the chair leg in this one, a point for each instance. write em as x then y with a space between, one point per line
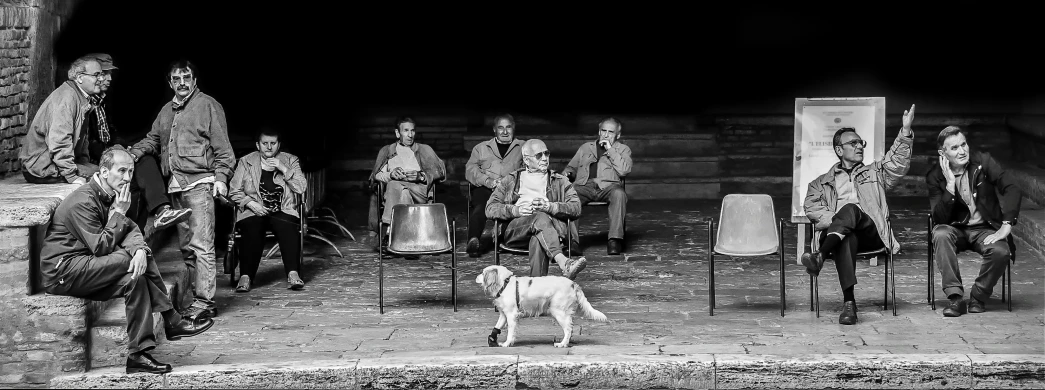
885 289
380 270
1008 281
816 293
811 293
783 298
711 268
453 263
496 243
892 281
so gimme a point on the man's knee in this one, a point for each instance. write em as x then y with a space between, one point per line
997 252
542 220
944 234
849 208
617 194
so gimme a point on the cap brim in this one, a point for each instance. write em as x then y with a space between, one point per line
109 67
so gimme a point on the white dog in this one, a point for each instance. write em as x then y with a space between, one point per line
515 297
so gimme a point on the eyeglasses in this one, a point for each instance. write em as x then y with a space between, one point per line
178 80
856 143
540 155
95 74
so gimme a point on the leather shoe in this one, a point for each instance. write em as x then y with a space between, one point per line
955 309
813 262
143 362
975 306
473 247
613 246
574 267
187 328
848 316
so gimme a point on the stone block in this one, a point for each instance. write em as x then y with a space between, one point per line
842 371
489 371
314 374
616 371
1008 371
108 378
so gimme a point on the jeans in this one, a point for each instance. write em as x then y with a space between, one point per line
197 241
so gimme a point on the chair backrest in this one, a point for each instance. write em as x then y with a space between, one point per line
419 229
747 226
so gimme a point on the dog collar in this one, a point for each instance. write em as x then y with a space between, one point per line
505 285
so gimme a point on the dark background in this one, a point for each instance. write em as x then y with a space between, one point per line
315 66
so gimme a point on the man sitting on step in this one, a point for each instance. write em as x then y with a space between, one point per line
596 170
93 251
848 201
974 204
490 161
538 202
408 169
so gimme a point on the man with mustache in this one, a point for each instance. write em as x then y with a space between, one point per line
537 202
55 148
93 251
974 203
189 135
148 181
596 171
489 162
409 170
849 203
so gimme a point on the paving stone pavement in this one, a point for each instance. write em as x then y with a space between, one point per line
655 295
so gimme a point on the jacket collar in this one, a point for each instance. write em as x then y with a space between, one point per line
96 186
492 144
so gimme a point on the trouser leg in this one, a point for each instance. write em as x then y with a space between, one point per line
252 241
618 208
197 240
149 180
947 242
539 233
995 258
286 228
477 220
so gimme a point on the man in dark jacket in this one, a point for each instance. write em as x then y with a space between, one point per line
93 251
964 190
537 202
190 137
409 170
489 162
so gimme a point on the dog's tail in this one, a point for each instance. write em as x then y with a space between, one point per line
589 311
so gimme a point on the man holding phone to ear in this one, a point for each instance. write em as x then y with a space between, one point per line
596 170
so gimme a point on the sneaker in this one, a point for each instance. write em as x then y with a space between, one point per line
294 281
574 267
244 284
168 217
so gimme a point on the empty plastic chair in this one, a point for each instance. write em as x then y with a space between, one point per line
419 229
747 227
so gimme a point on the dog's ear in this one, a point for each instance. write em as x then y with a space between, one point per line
491 282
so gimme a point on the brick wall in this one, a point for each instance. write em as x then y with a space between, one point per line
28 29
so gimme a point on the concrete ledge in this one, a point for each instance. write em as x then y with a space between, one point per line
599 371
23 204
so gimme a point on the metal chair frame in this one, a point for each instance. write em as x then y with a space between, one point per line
452 250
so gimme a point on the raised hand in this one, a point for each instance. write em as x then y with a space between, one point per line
908 117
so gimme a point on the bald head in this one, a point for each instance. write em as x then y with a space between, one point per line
535 155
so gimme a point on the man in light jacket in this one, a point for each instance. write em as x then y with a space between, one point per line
849 203
490 161
596 171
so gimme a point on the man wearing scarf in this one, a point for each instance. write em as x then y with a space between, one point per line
537 202
148 180
189 135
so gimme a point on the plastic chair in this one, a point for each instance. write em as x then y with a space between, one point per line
747 228
419 229
1006 278
890 270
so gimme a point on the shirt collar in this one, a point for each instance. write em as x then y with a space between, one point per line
96 184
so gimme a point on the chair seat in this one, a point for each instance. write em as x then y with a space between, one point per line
881 251
598 204
509 249
729 252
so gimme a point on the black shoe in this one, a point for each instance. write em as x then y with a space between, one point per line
143 362
187 328
955 309
199 314
975 306
613 246
813 262
848 316
474 247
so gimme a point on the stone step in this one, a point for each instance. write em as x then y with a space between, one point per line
646 145
108 340
1030 232
642 167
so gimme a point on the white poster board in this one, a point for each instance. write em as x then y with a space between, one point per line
816 120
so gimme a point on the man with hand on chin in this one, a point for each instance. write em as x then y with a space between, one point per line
94 251
596 171
974 203
190 137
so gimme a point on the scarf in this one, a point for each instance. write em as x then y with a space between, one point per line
97 104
